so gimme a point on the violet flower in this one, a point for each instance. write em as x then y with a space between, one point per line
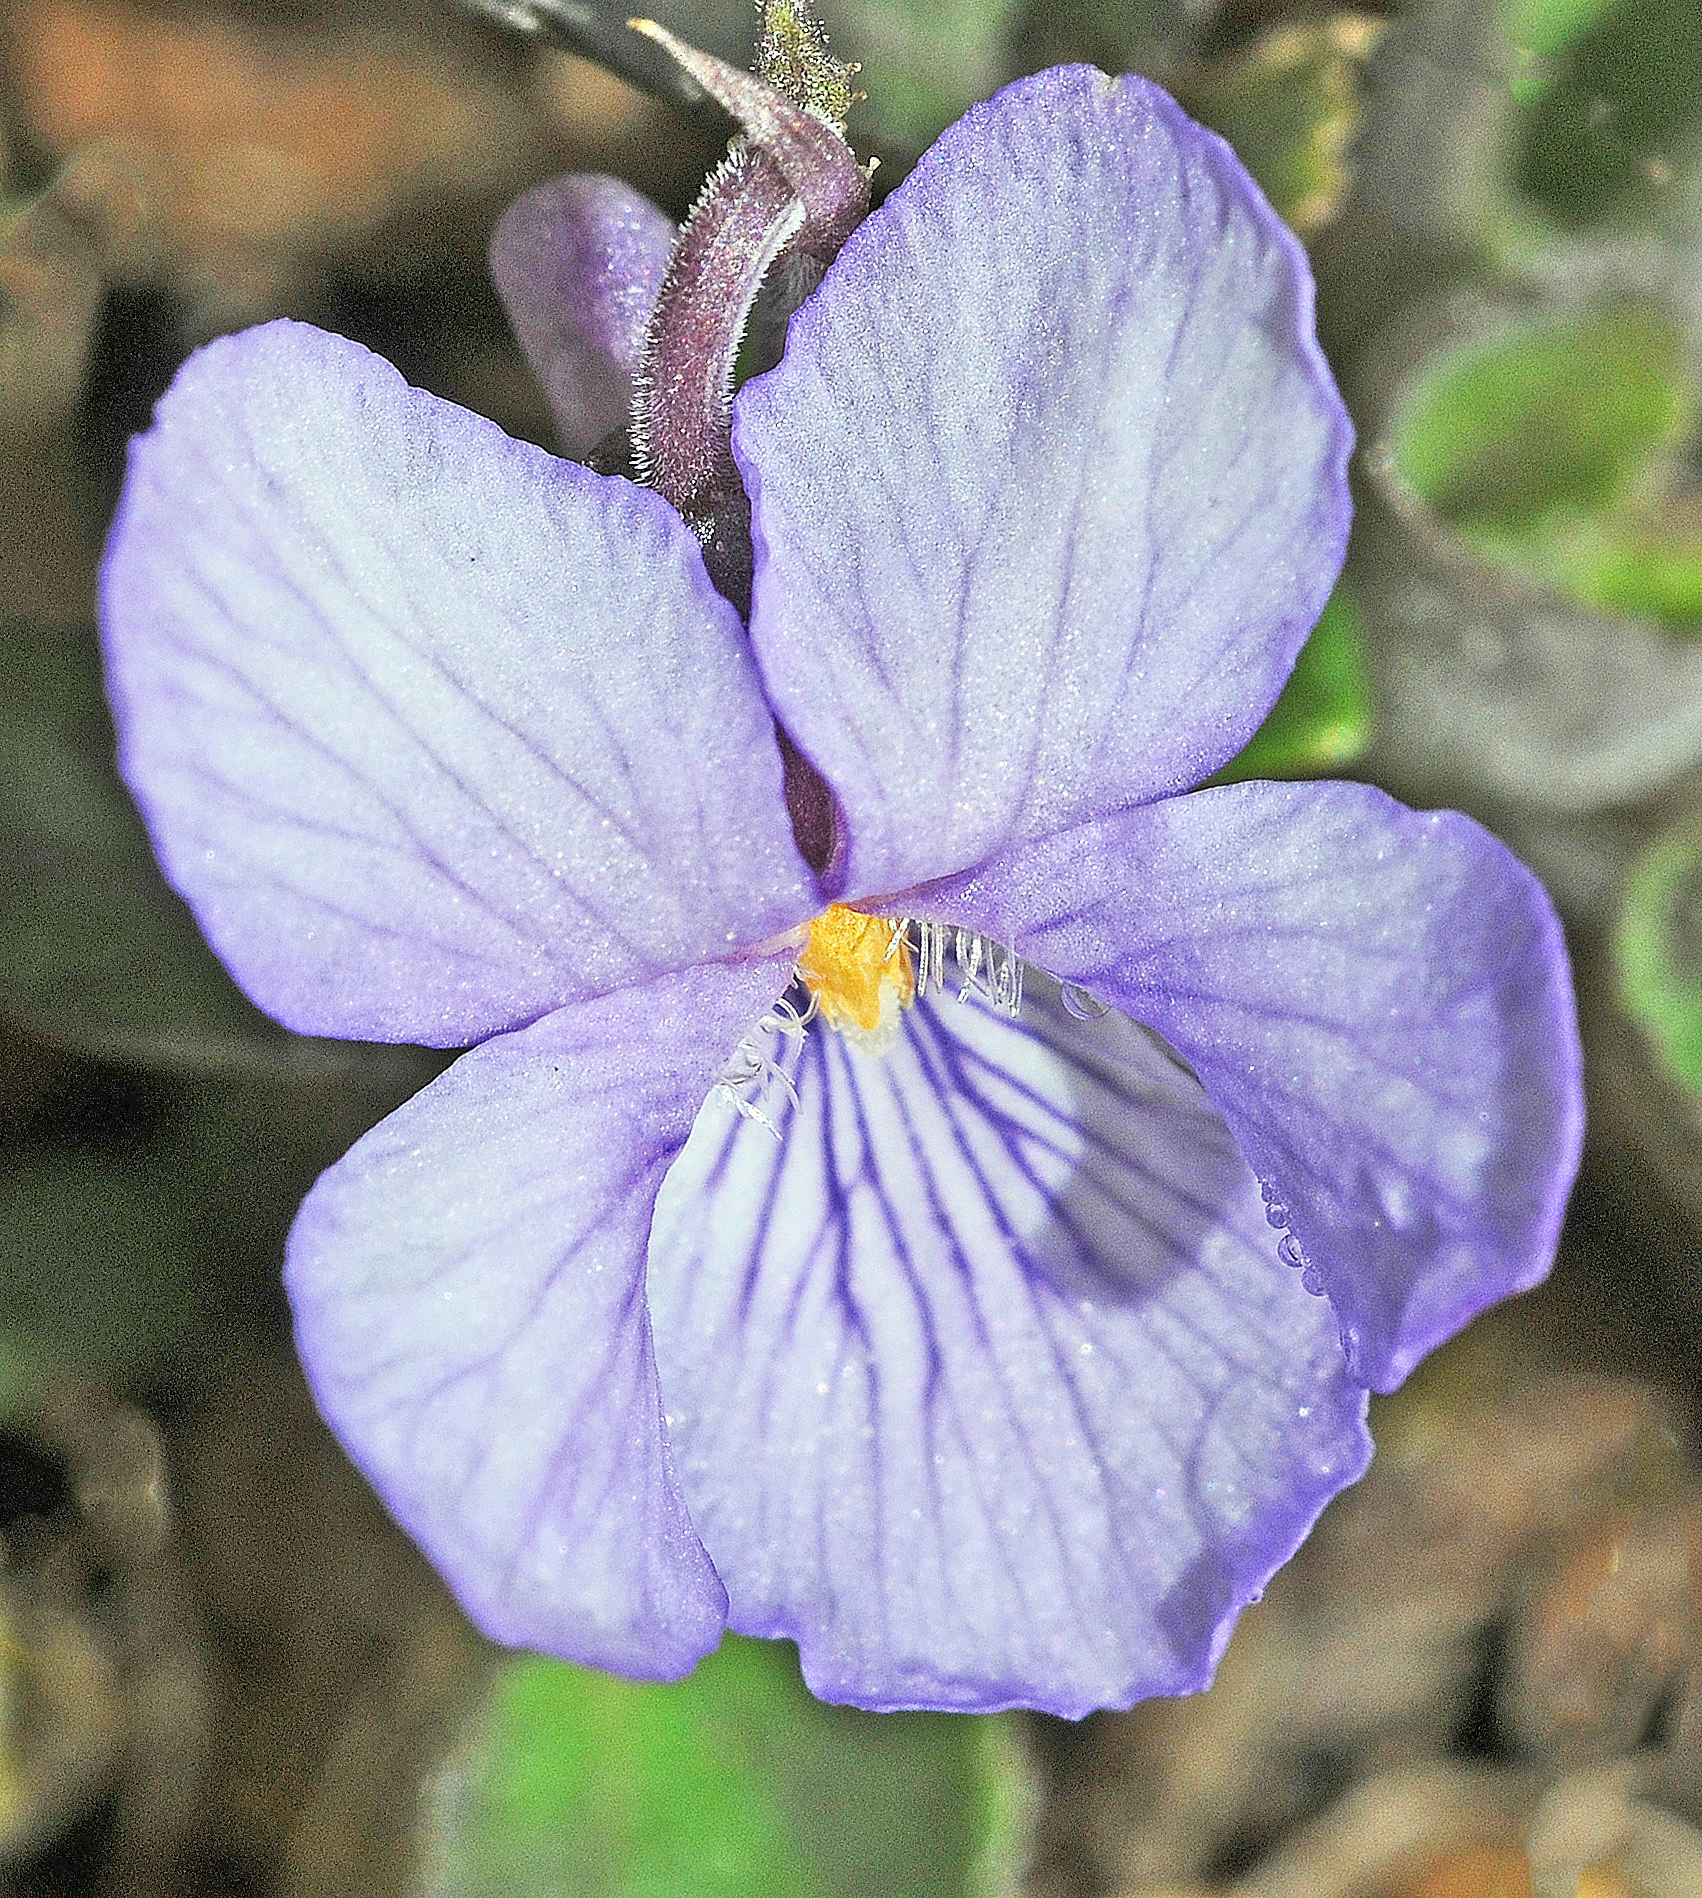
978 1368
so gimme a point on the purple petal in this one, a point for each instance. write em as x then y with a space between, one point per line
435 732
1377 1000
468 1286
1050 484
578 262
984 1382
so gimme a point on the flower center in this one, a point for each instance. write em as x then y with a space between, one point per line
860 972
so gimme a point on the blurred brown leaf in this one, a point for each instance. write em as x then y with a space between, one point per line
57 255
1507 1594
1479 1873
270 147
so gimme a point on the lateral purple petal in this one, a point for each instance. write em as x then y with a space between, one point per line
1050 485
984 1382
435 732
468 1286
1378 1001
578 262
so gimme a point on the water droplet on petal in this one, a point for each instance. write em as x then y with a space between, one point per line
1079 1003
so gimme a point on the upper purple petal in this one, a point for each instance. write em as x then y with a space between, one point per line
468 1286
577 262
435 732
1050 485
1377 1000
984 1382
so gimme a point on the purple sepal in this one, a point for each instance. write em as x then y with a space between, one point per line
434 731
809 150
1050 484
1377 1000
984 1382
578 262
468 1287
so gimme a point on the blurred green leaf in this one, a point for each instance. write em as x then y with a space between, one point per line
96 951
1322 720
1618 115
734 1783
1549 27
129 1245
1146 36
1541 32
1552 450
1638 562
1659 951
925 62
98 1264
1555 413
1290 105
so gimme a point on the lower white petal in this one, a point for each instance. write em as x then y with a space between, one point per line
983 1379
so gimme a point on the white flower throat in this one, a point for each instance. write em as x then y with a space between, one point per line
860 972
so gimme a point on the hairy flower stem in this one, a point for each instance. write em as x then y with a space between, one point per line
790 186
682 426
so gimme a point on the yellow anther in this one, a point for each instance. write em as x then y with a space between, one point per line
859 970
